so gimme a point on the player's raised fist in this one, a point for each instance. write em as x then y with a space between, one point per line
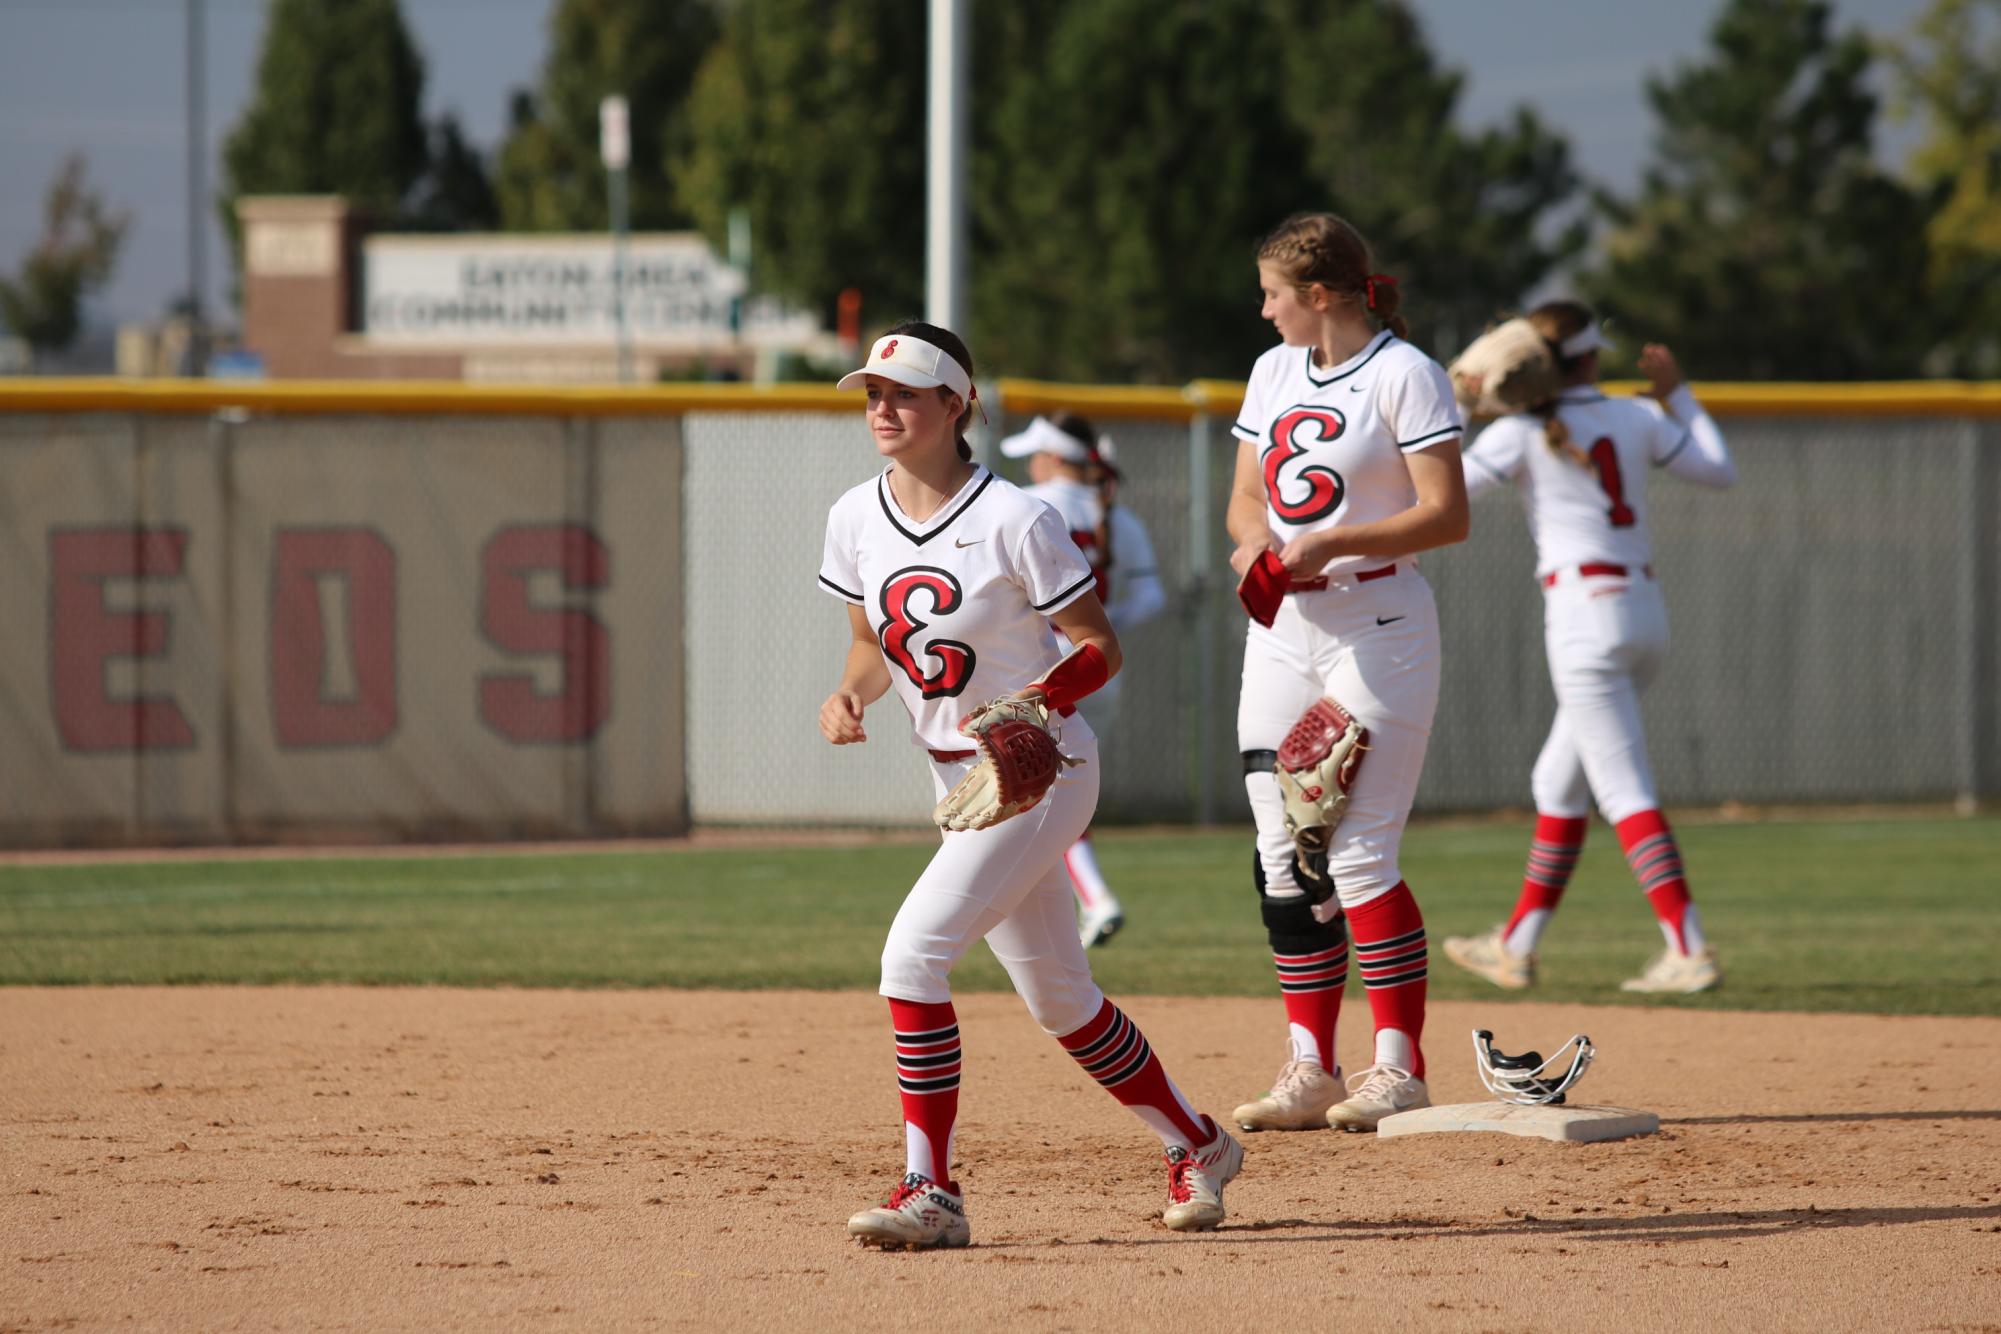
1657 363
841 718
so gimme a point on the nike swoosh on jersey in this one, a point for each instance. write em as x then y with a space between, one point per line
957 542
1388 620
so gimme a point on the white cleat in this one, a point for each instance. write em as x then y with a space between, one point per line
1298 1100
1101 923
1195 1182
1674 973
1377 1092
1488 956
920 1215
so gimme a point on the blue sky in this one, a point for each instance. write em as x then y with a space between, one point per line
106 78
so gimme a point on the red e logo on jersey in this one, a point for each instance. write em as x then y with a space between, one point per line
900 626
1324 488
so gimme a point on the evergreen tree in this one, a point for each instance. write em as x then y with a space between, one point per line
456 194
1129 169
338 108
1949 80
809 116
551 177
1765 243
43 302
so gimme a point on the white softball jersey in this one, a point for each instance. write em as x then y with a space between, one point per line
960 601
1130 587
1582 514
1330 441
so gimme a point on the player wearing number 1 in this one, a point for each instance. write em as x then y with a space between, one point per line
1580 463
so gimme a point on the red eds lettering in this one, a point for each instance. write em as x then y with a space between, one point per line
84 637
508 701
333 685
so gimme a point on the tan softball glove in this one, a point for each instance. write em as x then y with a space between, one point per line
1018 763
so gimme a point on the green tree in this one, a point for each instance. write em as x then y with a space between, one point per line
551 177
1468 221
809 116
1133 159
43 302
1949 81
456 194
1765 242
337 109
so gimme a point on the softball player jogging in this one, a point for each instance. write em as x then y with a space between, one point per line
953 580
1580 464
1347 464
1075 472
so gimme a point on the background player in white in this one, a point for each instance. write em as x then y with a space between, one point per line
1581 464
1075 471
1348 463
954 580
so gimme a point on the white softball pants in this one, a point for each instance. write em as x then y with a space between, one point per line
1374 649
1606 636
1006 885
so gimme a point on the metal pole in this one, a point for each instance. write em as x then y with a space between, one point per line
619 230
945 180
197 144
1200 553
615 147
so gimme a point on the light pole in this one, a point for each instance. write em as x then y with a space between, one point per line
197 363
615 146
951 97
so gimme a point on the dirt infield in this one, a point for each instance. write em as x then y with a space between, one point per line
350 1158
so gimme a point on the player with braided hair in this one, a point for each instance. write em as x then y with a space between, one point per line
1580 461
956 585
1347 467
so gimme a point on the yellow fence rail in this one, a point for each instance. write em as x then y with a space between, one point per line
1924 398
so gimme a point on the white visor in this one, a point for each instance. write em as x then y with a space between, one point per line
914 362
1108 454
1588 339
1045 437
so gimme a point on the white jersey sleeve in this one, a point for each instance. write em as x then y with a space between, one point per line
1697 452
1418 406
1495 457
1048 564
1137 593
840 572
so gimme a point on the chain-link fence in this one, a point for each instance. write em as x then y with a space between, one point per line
601 615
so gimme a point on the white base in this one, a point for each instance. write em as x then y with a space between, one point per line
1577 1125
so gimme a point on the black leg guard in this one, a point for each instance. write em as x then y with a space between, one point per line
1310 870
1294 930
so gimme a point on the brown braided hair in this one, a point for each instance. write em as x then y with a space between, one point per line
1080 430
1556 321
1321 248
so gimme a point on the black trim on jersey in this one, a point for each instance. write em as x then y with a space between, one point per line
1486 467
1384 334
833 587
1431 439
1686 436
889 510
1074 589
1250 432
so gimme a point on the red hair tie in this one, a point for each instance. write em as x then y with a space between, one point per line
1370 285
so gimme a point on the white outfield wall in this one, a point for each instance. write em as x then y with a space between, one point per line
249 612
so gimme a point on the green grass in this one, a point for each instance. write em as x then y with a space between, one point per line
1886 916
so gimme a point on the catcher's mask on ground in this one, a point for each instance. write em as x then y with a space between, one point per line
1528 1079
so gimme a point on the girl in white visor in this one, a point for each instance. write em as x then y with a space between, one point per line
1072 470
957 585
1580 463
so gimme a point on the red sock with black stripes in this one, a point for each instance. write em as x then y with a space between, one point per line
1311 986
1553 853
1656 862
1393 956
1114 1052
927 1075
